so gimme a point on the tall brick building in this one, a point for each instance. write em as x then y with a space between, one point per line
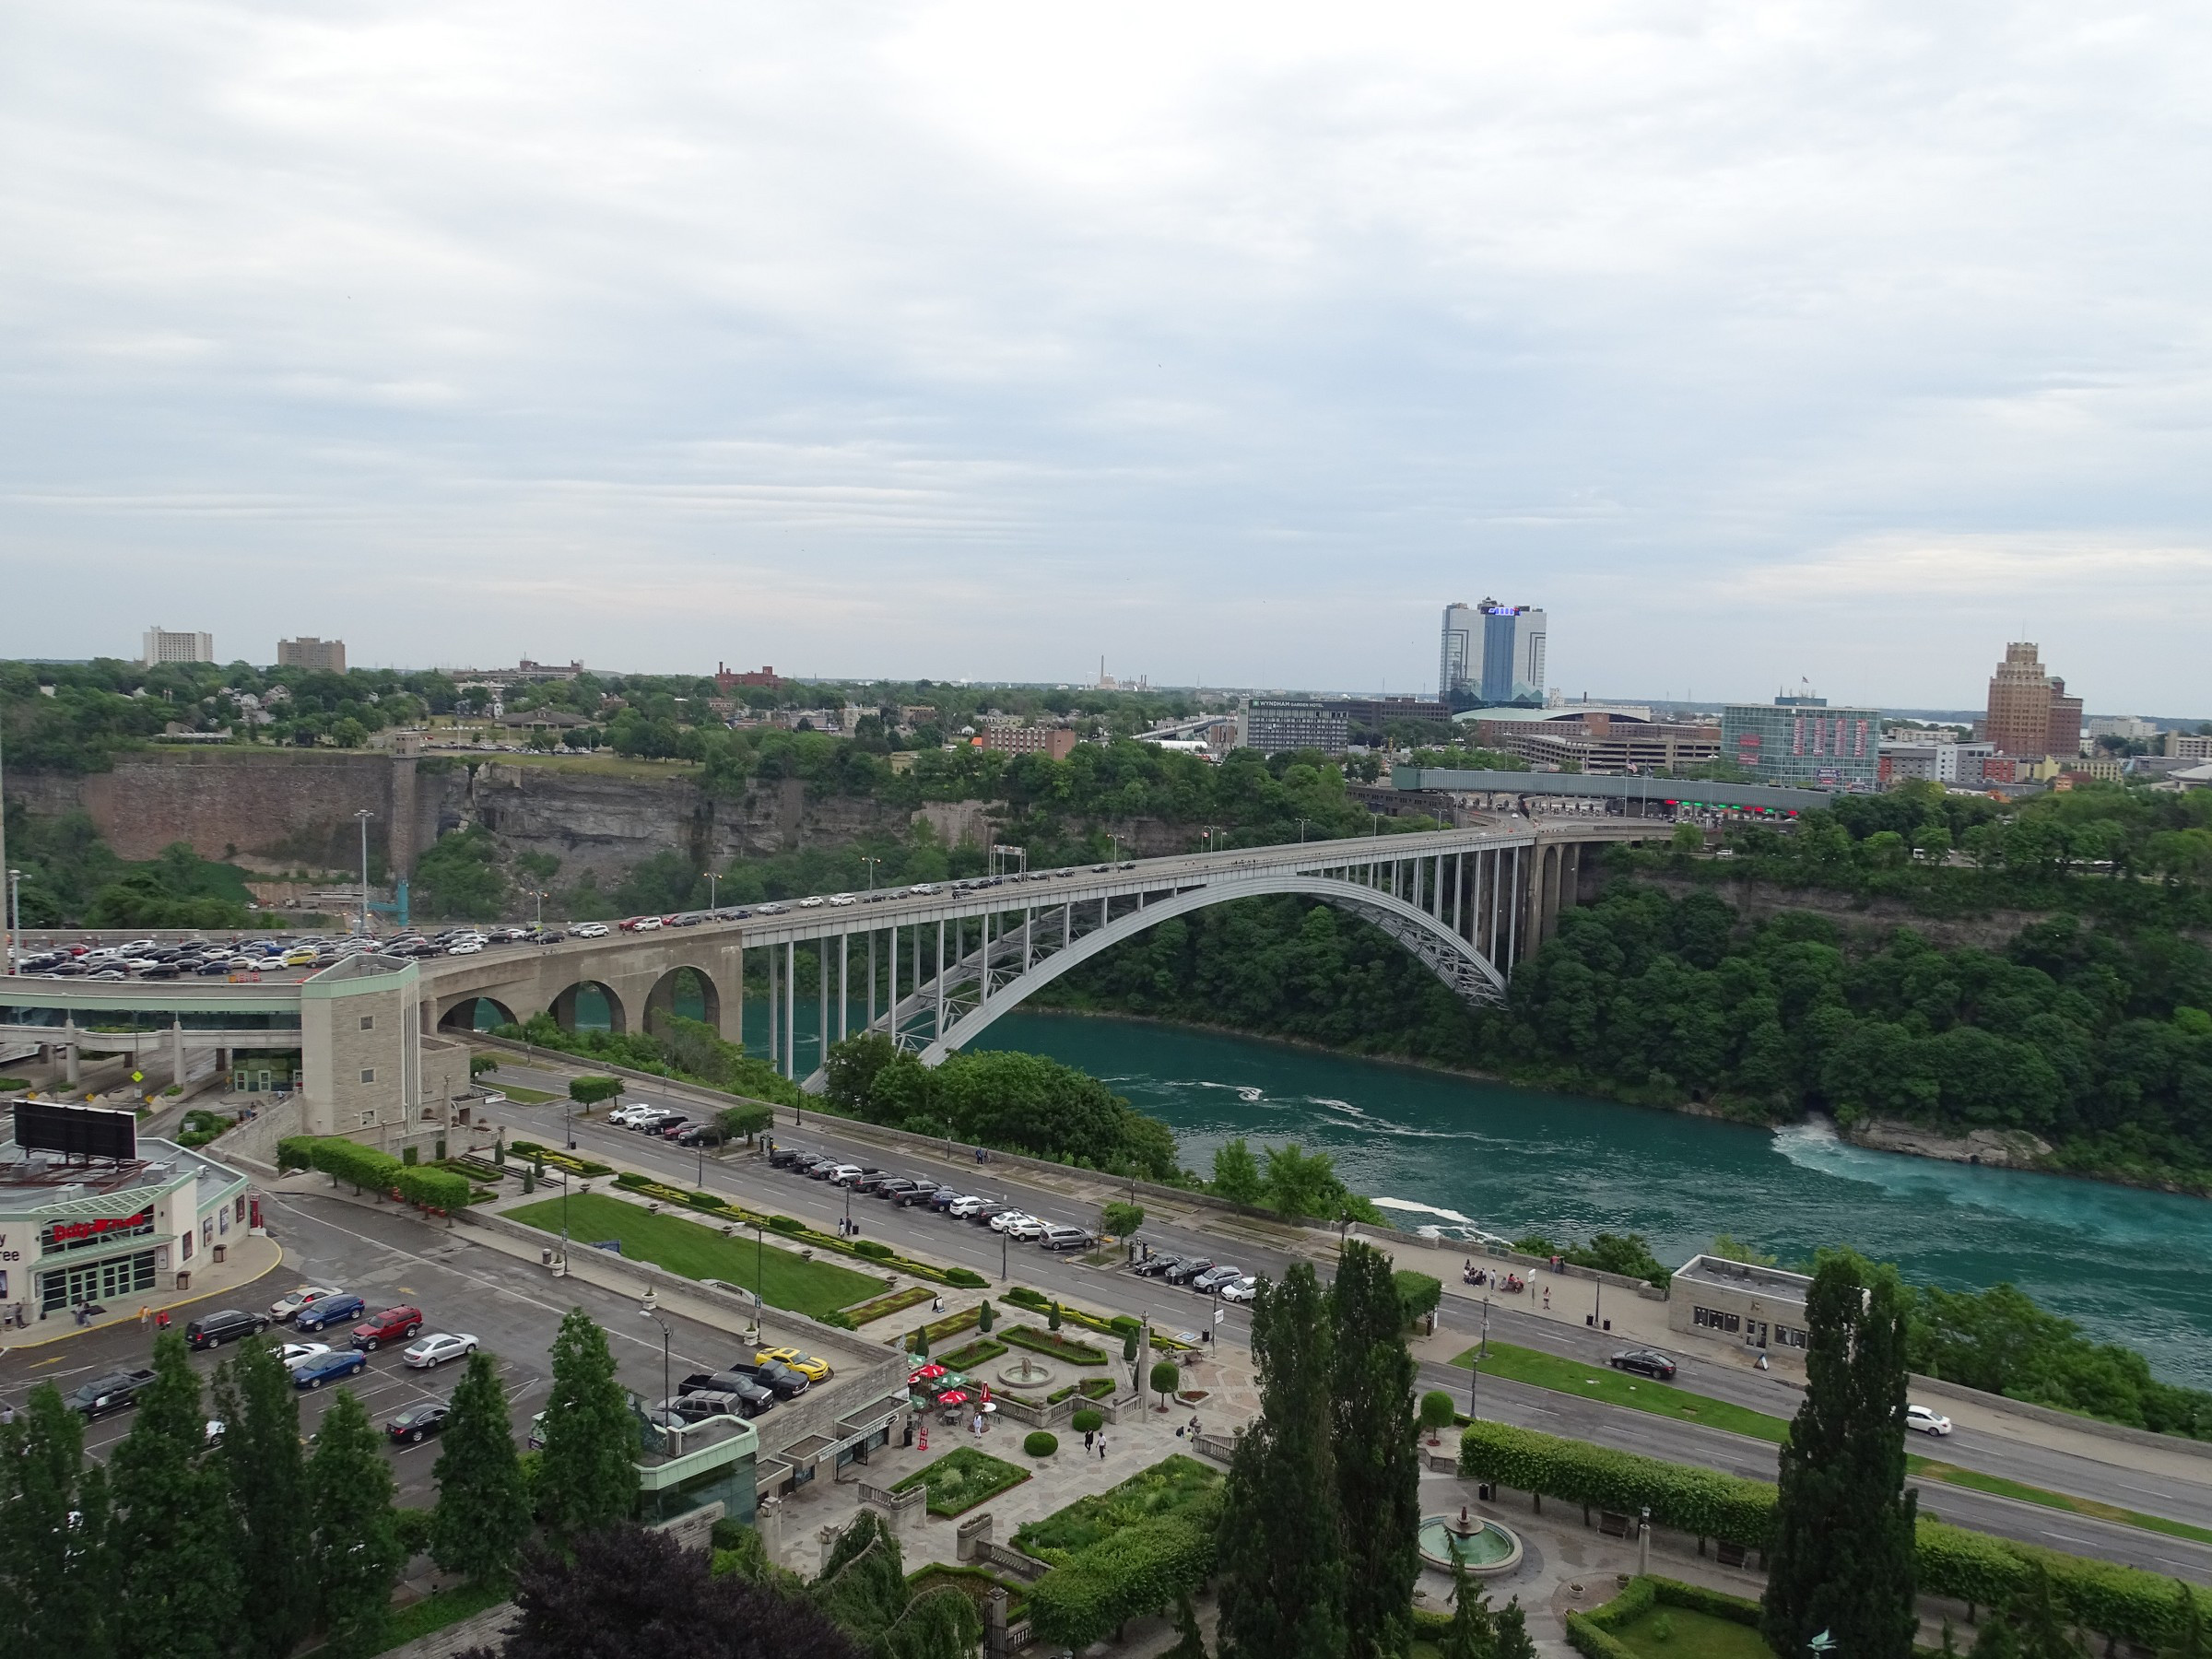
2029 712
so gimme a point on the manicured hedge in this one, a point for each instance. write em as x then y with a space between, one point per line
1137 1570
1059 1347
433 1189
1702 1502
1592 1633
1121 1325
1038 1443
2113 1600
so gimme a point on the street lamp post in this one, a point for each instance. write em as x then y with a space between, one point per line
12 923
651 1310
362 817
759 1261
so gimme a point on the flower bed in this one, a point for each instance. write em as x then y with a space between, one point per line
559 1161
952 1324
980 1352
962 1478
1118 1325
1172 1483
883 1306
1052 1343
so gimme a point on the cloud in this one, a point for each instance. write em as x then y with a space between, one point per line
1231 341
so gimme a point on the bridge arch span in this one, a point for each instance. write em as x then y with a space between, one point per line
475 1011
579 1008
1452 959
687 990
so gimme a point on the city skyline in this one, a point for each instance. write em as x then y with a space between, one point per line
919 342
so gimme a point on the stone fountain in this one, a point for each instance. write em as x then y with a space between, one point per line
1485 1548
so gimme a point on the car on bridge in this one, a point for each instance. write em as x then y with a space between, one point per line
590 930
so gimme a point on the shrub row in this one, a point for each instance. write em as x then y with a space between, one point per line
884 1306
1137 1570
1060 1348
365 1167
952 1324
981 1350
1121 1325
559 1160
2115 1600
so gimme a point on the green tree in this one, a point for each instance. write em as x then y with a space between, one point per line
172 1551
1237 1173
1437 1412
53 1527
483 1515
1514 1640
1301 1184
748 1120
480 1064
1190 1640
586 1476
985 1316
1121 1220
267 1478
1842 1555
1377 1453
1166 1377
356 1551
1282 1533
852 1068
587 1092
1473 1633
2189 1641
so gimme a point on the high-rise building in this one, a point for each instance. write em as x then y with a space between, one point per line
161 646
1492 655
1802 741
307 652
2029 713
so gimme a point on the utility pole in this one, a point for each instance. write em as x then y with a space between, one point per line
362 818
712 880
14 915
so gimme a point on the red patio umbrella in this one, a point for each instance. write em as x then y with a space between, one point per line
953 1396
924 1374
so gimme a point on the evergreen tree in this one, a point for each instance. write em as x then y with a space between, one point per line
356 1550
1282 1541
1514 1640
1378 1455
587 1475
483 1515
171 1544
2188 1626
1473 1633
2043 1630
1842 1559
267 1478
1190 1640
51 1566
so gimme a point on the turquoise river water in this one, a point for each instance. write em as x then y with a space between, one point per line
2132 1267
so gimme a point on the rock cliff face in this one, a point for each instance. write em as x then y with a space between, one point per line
2002 1148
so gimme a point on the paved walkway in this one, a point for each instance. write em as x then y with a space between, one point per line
213 1284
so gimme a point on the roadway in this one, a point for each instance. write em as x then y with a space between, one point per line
2185 1495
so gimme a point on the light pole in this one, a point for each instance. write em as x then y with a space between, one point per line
362 817
12 923
759 1261
871 863
651 1310
1482 1350
712 880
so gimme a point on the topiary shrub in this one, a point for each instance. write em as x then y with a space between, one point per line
786 1224
963 1279
873 1248
1038 1443
1088 1421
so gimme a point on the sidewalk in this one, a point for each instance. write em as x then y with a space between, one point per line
247 1259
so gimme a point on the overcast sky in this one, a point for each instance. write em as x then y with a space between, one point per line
1227 341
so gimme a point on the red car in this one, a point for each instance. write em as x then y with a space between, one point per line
393 1324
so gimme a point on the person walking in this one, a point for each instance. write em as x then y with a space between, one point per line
1090 1439
1102 1448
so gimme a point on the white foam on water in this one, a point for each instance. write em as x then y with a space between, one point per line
1425 1209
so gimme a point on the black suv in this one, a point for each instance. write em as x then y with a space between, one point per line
784 1157
213 1330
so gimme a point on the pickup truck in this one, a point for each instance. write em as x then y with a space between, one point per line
118 1390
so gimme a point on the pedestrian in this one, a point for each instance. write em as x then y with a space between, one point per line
145 1317
1090 1439
1547 1299
162 1320
1102 1448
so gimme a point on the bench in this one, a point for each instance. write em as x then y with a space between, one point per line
1615 1526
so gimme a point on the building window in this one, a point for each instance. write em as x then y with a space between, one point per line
1785 1337
368 1119
1713 1319
368 1022
185 1239
369 1074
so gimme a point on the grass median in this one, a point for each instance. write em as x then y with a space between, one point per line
1662 1399
788 1280
1602 1382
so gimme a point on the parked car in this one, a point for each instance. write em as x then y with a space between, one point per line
287 1307
435 1350
888 1186
1645 1362
1924 1421
1067 1238
293 1355
411 1425
231 1324
943 1199
874 1181
1156 1266
1241 1290
784 1157
806 1365
323 1368
1027 1229
921 1192
116 1391
846 1174
1184 1271
1004 1217
1213 1279
785 1383
967 1209
393 1324
629 1117
702 1404
330 1310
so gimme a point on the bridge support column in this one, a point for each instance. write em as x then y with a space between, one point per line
790 1007
844 985
176 1052
821 1029
940 1027
72 1065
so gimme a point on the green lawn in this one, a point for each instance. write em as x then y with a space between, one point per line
1622 1388
1683 1633
813 1288
962 1478
1641 1394
525 1097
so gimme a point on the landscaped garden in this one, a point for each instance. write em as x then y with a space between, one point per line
1659 1618
788 1280
981 1350
1053 1344
962 1478
1171 1485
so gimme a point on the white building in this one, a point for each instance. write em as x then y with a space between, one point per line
161 646
2131 726
1492 653
1935 762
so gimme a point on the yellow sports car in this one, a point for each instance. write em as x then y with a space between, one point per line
806 1365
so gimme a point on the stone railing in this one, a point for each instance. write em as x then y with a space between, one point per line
1028 1568
1219 1447
894 1505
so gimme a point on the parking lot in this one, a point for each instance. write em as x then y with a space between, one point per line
512 1308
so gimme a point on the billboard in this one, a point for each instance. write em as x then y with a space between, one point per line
76 1131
